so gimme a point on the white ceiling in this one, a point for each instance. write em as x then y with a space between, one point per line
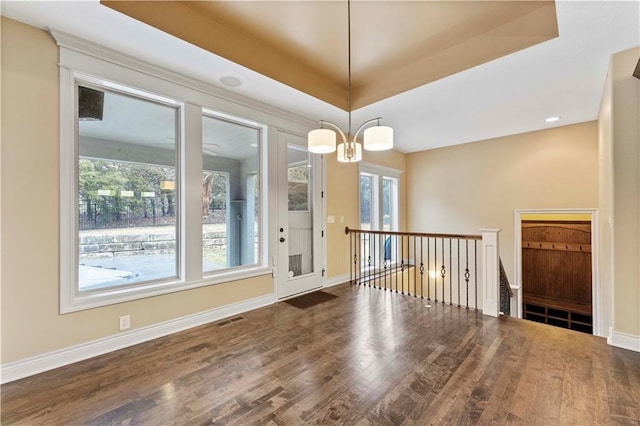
514 94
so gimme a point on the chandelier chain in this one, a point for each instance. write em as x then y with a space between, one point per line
378 138
349 61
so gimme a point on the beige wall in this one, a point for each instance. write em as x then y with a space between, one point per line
457 189
463 188
343 200
31 324
605 200
619 187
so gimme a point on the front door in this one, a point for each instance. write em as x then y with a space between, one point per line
299 230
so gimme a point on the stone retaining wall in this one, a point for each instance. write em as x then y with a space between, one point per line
109 245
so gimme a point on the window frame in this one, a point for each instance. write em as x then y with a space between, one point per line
378 174
104 69
261 173
92 83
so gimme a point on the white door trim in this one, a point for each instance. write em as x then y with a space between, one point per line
601 322
284 138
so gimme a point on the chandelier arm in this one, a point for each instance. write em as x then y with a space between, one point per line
365 124
335 126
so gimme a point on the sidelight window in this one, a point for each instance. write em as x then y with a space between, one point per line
378 199
230 228
378 212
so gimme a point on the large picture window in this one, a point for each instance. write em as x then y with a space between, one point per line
127 198
157 194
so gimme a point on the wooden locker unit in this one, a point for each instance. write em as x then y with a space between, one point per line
556 273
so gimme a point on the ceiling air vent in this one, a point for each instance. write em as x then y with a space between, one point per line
90 104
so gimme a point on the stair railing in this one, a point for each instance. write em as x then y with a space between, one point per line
450 269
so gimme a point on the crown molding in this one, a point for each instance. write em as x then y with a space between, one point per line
85 47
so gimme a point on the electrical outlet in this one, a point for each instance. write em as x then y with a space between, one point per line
125 322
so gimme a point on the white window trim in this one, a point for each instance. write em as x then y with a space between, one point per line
263 248
376 169
78 57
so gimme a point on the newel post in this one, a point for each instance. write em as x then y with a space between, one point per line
490 272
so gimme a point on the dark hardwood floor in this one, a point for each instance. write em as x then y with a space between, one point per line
365 357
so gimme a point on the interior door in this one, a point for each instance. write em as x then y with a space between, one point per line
300 211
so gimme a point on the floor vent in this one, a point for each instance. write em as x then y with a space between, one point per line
230 321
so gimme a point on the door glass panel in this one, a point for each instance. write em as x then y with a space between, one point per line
300 210
298 187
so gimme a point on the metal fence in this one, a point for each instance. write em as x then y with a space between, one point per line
119 213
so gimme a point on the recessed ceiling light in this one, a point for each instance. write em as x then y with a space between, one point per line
231 81
254 145
552 119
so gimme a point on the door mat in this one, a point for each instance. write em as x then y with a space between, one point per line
311 299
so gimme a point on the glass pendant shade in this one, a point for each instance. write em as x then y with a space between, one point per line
378 138
322 141
350 152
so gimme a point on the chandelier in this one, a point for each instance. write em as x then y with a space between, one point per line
376 138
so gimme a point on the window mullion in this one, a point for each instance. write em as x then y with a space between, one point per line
191 194
380 206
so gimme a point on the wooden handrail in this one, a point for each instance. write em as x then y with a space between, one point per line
413 234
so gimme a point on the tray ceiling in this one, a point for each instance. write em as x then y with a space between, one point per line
396 45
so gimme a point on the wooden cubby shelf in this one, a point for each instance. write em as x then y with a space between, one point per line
559 314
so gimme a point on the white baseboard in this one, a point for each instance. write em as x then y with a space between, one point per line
339 279
624 341
40 363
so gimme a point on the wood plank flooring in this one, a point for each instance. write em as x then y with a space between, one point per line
365 357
